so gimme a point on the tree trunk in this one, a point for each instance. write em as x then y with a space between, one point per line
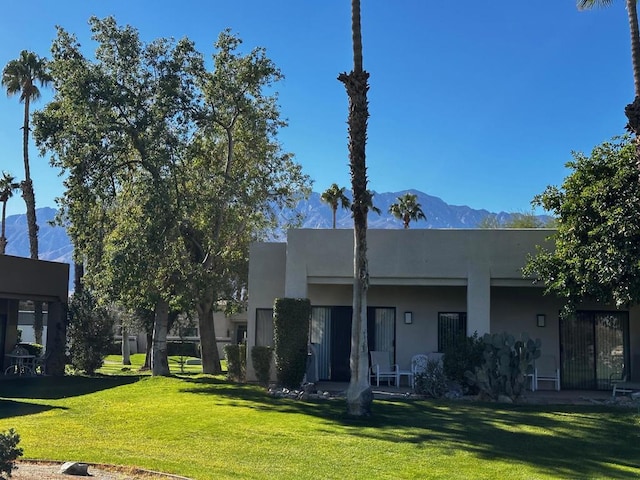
208 344
159 358
3 238
126 348
632 12
147 356
27 186
359 393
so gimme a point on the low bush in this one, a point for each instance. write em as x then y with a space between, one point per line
432 381
9 452
464 355
236 361
261 358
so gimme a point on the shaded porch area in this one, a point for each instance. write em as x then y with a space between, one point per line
38 281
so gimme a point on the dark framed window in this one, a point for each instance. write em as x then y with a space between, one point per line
264 327
451 325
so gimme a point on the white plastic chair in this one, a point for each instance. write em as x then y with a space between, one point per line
545 369
418 365
381 368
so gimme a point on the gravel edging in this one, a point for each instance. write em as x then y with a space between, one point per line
31 469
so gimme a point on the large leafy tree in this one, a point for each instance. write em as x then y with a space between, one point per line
596 250
118 127
7 187
335 197
21 77
407 209
359 393
237 175
632 111
172 171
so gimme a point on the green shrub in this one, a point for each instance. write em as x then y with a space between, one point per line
261 358
34 349
464 355
505 366
236 355
9 451
90 333
290 334
432 381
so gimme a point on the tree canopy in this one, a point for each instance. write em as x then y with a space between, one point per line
407 209
334 196
595 253
172 170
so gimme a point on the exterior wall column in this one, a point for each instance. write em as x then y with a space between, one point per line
478 299
295 285
56 338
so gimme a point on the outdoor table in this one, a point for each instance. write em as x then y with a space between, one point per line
21 364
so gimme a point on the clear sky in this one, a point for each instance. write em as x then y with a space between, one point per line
479 103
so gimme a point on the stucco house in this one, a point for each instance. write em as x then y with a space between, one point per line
428 285
38 281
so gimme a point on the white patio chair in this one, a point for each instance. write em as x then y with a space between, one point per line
381 368
545 369
418 365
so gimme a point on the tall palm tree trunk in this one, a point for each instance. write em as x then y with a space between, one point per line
32 223
27 186
359 393
3 238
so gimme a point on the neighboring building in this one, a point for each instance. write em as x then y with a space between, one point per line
426 286
24 279
228 328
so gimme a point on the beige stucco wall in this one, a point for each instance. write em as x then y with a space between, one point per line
267 263
422 271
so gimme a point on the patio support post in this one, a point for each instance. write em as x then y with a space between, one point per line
478 299
56 338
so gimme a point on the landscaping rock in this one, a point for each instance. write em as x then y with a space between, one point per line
75 468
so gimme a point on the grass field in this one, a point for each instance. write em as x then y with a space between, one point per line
206 428
113 365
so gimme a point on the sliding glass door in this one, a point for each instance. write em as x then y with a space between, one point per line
594 349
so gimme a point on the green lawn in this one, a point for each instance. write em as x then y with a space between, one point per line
113 365
205 428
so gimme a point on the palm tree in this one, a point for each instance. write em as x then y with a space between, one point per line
7 187
20 77
407 209
334 196
359 393
632 111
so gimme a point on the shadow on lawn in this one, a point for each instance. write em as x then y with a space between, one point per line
51 388
569 441
11 409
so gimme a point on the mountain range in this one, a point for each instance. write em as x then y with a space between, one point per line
54 244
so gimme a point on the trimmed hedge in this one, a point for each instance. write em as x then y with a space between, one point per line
261 357
236 355
290 334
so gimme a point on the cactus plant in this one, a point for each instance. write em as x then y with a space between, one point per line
506 364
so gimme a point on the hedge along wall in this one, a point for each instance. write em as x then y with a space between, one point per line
291 317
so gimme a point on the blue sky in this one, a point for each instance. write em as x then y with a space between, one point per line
480 105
